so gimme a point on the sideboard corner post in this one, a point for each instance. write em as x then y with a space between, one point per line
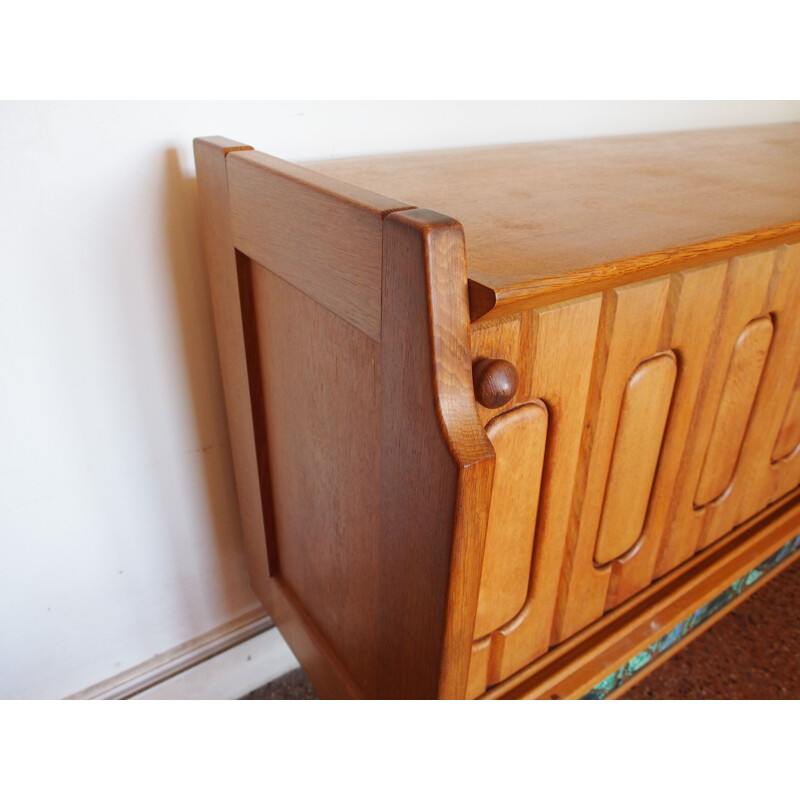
436 461
210 154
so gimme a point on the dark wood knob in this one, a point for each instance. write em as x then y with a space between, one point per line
495 381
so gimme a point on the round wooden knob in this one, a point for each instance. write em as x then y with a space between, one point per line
495 382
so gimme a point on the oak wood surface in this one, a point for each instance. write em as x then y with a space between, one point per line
689 324
640 433
571 670
550 220
789 436
699 629
495 382
349 328
416 536
321 392
774 479
553 349
746 296
273 201
628 334
437 463
212 184
733 411
648 369
518 438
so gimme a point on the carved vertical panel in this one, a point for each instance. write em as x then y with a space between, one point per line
630 334
518 438
555 347
689 323
733 412
745 297
674 415
789 435
775 406
640 433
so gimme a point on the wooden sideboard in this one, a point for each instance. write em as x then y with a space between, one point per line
510 422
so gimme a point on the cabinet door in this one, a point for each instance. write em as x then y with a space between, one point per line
669 414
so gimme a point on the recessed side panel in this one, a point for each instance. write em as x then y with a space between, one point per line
319 402
518 438
643 418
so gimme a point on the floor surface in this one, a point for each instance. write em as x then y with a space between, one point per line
752 653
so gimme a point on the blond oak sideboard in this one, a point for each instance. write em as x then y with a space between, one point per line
509 422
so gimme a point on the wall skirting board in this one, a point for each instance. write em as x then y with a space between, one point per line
223 664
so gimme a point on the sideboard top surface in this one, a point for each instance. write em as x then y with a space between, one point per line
553 219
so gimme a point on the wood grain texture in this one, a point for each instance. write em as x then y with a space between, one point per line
629 334
299 427
362 424
733 411
631 467
273 201
757 481
554 349
749 282
212 185
488 341
437 463
553 220
789 435
771 481
570 671
495 382
645 293
312 648
640 433
687 330
518 438
321 390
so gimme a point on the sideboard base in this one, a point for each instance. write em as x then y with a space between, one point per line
609 657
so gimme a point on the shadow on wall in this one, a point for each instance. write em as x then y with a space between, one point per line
195 317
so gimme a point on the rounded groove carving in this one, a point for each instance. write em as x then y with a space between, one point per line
634 458
733 412
788 441
519 438
495 382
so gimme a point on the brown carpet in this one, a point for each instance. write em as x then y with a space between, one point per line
292 686
753 653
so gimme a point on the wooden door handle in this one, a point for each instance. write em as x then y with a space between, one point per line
495 381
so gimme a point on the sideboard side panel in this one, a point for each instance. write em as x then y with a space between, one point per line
319 402
299 281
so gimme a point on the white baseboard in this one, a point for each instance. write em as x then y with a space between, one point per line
224 664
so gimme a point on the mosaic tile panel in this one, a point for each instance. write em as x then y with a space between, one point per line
710 609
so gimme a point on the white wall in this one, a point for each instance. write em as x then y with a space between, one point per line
119 536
